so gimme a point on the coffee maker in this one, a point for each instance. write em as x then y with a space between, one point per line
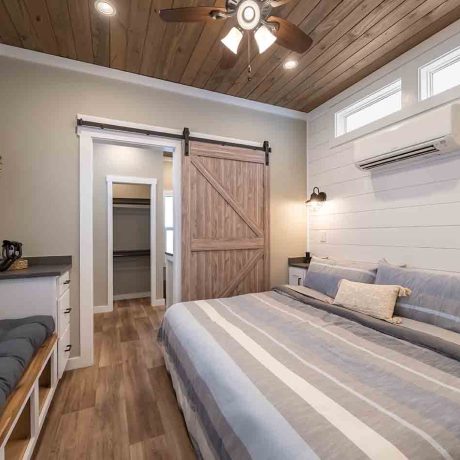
11 251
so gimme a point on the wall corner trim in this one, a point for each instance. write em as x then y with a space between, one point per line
162 85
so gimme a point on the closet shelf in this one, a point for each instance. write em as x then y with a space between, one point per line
131 201
132 253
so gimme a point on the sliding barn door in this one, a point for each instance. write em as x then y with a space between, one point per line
225 222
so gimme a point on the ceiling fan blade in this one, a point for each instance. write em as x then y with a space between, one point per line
277 3
290 36
192 14
228 59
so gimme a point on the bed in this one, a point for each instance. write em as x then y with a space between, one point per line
280 375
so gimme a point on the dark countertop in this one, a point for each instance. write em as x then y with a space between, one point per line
40 267
298 262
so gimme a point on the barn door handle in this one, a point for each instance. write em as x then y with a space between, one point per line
67 282
68 348
67 310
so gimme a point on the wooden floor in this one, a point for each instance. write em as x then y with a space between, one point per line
124 407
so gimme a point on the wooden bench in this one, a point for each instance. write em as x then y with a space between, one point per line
26 408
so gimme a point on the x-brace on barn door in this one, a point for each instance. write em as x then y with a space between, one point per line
225 221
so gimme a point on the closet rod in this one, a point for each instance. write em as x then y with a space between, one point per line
132 253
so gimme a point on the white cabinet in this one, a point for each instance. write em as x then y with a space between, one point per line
42 295
297 276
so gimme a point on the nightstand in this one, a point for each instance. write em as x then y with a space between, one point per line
298 267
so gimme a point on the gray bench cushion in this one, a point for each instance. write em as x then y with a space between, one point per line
435 297
19 340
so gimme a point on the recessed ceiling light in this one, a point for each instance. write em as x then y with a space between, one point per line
105 8
290 64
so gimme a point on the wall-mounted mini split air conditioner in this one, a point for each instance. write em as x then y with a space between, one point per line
435 132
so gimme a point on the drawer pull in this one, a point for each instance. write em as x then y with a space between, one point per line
67 311
66 282
68 348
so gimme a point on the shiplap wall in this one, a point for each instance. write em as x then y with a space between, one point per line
410 215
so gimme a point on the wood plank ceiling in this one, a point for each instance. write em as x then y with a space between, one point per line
351 39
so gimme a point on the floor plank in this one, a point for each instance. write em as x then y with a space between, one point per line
173 422
124 407
151 448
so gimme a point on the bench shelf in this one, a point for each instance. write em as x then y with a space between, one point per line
26 408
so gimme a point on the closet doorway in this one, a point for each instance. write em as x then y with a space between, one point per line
128 223
132 239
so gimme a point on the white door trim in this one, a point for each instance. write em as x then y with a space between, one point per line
87 137
153 233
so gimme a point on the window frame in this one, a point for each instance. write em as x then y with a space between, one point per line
342 115
427 71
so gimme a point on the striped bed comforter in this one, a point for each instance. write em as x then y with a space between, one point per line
266 376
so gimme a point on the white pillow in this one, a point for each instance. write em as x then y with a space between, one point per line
374 300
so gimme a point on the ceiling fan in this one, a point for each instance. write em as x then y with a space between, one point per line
251 16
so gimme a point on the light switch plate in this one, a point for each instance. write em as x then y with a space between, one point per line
323 237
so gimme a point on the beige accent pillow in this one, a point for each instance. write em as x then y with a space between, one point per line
375 300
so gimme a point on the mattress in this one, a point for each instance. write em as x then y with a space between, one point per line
19 340
278 375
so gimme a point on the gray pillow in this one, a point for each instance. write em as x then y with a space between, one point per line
324 275
435 297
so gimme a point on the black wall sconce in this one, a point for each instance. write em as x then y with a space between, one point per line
316 197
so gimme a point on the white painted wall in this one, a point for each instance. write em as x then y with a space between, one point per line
411 215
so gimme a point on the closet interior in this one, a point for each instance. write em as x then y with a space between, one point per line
131 241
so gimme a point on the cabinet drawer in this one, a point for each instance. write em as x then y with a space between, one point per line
64 347
63 283
297 276
63 313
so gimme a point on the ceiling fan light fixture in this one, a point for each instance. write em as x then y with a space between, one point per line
248 14
233 39
264 38
290 64
105 8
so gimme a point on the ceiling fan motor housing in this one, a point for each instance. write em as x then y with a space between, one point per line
249 13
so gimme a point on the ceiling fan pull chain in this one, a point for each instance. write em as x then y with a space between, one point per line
249 58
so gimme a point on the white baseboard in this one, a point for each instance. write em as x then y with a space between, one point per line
76 362
159 303
135 295
132 295
103 308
